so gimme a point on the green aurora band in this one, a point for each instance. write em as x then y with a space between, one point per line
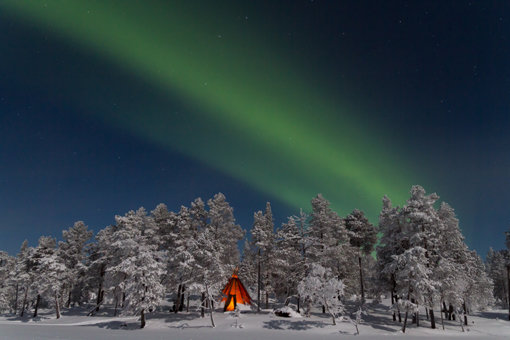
253 115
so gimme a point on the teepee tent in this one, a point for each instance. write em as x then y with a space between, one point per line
235 293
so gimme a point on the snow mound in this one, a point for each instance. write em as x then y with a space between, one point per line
287 311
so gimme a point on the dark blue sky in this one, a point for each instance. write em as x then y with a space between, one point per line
429 81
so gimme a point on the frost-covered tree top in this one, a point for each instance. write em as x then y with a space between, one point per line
362 233
72 249
421 242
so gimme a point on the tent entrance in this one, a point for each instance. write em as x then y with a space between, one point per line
231 303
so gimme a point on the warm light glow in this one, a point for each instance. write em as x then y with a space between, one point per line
235 289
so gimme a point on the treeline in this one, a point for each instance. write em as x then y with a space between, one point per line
320 258
498 269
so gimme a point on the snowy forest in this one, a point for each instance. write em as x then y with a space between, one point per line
174 262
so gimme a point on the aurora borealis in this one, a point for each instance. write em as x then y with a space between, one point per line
271 95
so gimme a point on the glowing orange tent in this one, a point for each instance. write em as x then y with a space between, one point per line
235 293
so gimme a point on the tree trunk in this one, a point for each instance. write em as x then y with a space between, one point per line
100 293
451 314
407 309
258 283
37 304
142 318
287 300
178 299
461 324
323 309
202 307
298 300
16 300
187 303
417 318
396 297
432 319
441 312
332 315
211 314
99 296
508 279
465 312
267 299
427 313
116 305
361 281
24 303
405 323
181 306
505 294
413 317
210 306
57 307
68 302
392 304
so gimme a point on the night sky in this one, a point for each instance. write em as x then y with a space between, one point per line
106 106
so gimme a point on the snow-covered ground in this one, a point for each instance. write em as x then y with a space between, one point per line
74 324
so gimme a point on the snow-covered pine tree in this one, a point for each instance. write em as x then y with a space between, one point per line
371 278
421 225
413 279
166 223
143 287
72 252
268 255
248 266
262 244
258 239
390 244
138 265
330 245
181 263
323 227
288 259
226 233
45 248
414 225
23 276
507 242
454 274
362 236
472 288
477 286
302 222
8 287
209 271
99 257
447 261
321 286
496 264
450 277
49 271
55 273
199 215
122 246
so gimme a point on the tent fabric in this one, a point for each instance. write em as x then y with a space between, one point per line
235 293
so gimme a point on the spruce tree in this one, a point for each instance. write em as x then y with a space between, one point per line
362 236
72 251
